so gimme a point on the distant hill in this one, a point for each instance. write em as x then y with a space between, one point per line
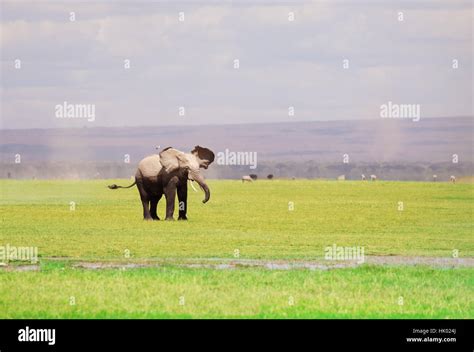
371 142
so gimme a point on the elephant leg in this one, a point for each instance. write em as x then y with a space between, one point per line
145 202
170 194
153 206
183 200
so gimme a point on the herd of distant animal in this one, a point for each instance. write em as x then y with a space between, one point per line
168 172
253 177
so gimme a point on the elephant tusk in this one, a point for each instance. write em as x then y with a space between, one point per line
192 185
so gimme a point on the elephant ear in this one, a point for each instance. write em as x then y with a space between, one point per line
203 153
171 159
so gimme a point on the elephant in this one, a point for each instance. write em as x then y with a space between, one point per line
168 172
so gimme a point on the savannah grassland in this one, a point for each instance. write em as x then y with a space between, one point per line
251 220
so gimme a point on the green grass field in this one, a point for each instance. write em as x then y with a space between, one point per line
255 220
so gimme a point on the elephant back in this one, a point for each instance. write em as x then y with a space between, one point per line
150 166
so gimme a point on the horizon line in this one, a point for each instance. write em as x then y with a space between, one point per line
231 124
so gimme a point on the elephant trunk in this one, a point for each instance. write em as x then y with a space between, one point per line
196 176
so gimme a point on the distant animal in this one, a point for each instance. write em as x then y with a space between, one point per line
247 178
253 177
373 177
168 173
270 176
435 177
363 177
453 179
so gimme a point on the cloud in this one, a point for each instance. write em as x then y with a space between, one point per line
190 63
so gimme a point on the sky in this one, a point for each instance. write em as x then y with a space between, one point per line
48 60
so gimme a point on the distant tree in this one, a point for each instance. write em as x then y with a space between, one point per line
270 176
253 177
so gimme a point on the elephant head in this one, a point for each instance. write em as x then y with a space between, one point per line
174 160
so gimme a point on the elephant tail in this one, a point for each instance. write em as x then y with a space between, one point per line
114 186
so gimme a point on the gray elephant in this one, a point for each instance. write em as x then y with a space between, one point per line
167 173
